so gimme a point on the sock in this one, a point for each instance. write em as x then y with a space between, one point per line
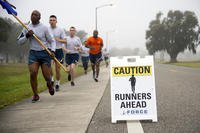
57 82
52 79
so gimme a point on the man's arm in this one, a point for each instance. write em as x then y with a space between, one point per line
22 37
87 44
50 39
63 38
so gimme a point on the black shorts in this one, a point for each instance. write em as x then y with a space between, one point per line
71 58
59 55
96 58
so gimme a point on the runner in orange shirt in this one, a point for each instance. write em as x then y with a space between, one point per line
95 44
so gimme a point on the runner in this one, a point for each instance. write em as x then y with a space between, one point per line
95 44
60 38
38 57
133 81
73 48
106 56
85 57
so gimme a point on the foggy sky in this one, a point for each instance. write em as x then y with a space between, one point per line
128 18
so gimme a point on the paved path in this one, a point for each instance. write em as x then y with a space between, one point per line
68 111
101 121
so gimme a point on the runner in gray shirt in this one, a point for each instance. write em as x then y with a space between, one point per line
37 55
73 48
60 38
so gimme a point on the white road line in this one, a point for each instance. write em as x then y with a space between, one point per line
134 127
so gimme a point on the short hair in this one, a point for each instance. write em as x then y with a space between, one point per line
37 12
53 16
72 27
96 31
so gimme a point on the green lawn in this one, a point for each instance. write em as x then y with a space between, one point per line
194 64
15 85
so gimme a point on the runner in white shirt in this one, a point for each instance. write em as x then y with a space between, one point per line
85 57
73 48
60 38
106 56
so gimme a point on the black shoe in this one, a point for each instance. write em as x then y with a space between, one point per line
35 98
96 80
72 83
51 89
69 77
57 87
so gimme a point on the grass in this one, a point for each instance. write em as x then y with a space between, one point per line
15 84
193 64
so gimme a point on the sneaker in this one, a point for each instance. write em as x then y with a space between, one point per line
57 87
72 83
51 89
96 80
35 98
69 77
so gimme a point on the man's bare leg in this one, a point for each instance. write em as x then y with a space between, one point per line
33 69
47 75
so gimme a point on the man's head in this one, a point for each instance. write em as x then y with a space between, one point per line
53 21
95 33
35 17
72 31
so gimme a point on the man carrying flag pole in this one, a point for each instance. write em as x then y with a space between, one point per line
39 55
9 8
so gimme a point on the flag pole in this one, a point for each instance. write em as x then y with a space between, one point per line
40 42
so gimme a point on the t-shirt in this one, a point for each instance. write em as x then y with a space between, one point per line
105 53
96 43
43 33
72 43
85 51
58 33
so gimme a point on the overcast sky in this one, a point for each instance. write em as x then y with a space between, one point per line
128 18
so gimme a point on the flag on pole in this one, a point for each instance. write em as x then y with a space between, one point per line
8 7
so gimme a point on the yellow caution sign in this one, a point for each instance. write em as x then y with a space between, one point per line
133 92
132 70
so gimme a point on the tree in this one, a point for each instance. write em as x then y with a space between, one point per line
4 28
8 46
175 33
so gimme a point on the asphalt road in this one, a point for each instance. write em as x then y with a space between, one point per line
178 104
178 100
